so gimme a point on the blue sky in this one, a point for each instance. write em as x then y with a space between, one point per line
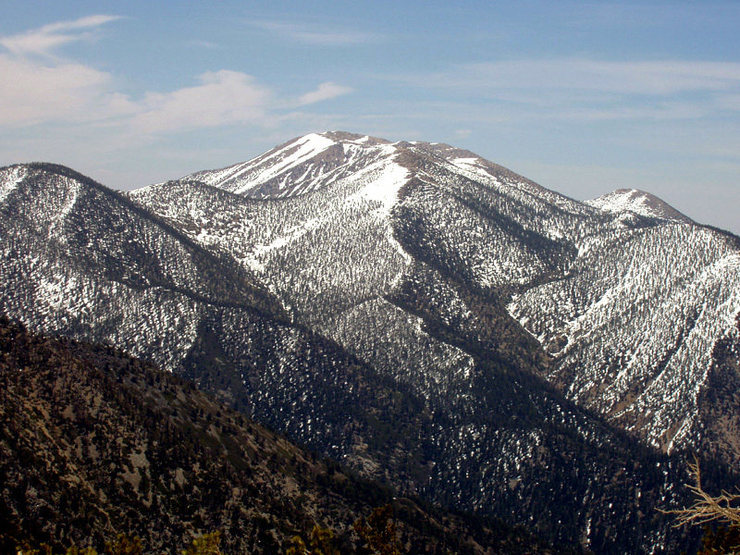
584 98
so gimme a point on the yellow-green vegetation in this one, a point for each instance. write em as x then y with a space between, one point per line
123 545
376 535
45 549
207 544
707 510
322 541
378 532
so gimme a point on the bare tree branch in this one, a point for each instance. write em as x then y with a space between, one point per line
723 508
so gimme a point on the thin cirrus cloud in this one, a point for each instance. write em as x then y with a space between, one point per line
221 98
325 91
638 77
39 87
595 89
316 36
32 93
44 40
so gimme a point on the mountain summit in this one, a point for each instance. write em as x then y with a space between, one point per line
423 315
362 217
638 202
279 173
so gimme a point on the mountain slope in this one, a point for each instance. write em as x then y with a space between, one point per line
96 443
660 290
424 316
280 173
435 317
75 255
637 341
210 323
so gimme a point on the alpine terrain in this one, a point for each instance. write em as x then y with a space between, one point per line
425 317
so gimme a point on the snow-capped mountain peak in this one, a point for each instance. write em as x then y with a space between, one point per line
300 166
638 202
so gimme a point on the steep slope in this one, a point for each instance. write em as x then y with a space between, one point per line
441 427
95 443
281 172
634 327
79 260
415 282
76 256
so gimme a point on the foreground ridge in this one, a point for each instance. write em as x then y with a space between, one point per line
96 443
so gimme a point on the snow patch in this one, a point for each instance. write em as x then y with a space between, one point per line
69 202
637 202
11 182
309 146
465 161
629 200
385 187
253 259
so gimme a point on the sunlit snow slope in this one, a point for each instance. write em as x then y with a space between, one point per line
627 296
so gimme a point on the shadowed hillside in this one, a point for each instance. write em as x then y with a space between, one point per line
94 443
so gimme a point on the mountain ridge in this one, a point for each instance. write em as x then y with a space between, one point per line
83 461
441 292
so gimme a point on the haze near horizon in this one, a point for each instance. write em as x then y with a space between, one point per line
582 98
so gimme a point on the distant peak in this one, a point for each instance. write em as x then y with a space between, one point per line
638 202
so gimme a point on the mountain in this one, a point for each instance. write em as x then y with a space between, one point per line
426 317
82 261
638 202
280 172
96 443
626 297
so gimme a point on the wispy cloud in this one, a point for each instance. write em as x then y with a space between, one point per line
39 87
730 101
44 40
221 98
325 91
204 44
585 89
32 93
315 35
637 77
